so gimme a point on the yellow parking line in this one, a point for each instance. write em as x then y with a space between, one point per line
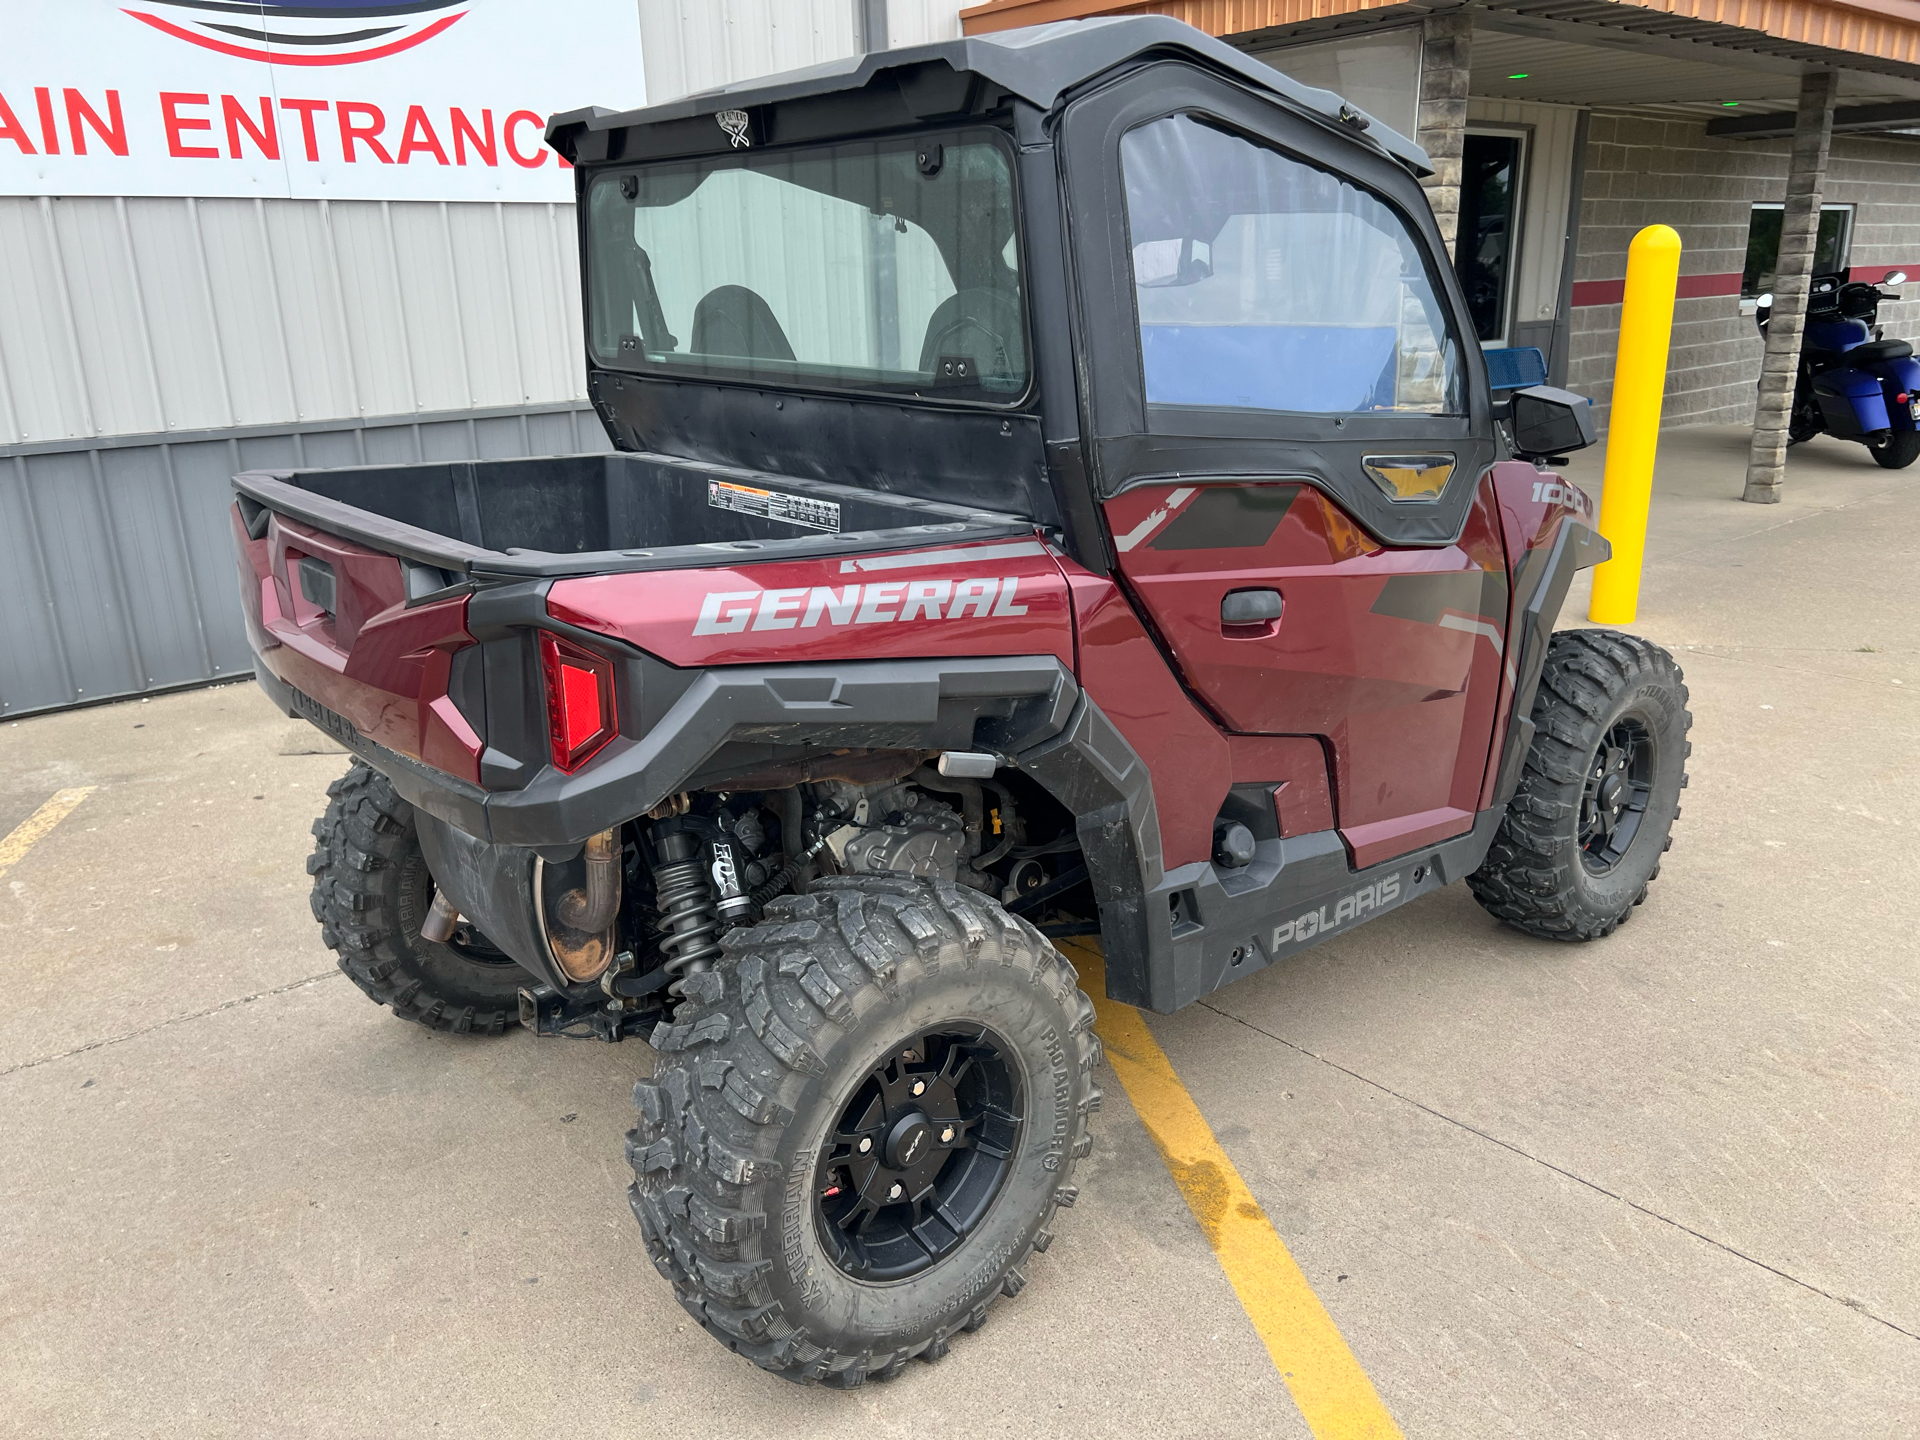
1335 1397
29 831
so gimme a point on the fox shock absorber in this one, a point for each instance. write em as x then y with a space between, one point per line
689 913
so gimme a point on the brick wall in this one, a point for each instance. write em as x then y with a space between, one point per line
1643 171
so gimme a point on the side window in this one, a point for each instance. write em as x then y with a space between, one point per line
1263 283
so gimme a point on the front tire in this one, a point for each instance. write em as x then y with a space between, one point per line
784 1181
1896 450
1583 835
371 892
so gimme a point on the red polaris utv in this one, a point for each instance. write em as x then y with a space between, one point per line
1055 490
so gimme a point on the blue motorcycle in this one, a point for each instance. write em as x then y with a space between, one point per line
1853 383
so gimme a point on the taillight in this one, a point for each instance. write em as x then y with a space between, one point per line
580 714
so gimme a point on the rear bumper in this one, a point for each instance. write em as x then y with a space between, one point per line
731 721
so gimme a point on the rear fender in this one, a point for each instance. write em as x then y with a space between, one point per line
1852 401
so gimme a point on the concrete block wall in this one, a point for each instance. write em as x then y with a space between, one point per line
1644 171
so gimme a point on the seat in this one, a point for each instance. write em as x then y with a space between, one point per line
1875 350
980 323
733 320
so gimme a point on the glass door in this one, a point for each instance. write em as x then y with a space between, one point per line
1487 244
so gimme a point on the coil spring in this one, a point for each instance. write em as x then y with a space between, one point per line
689 916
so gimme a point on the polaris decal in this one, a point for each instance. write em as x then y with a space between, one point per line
1347 909
727 612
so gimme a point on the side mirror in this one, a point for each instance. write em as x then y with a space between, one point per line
1764 302
1895 277
1549 421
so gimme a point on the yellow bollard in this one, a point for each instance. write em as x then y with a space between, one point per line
1633 429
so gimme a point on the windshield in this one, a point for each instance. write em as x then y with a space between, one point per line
886 265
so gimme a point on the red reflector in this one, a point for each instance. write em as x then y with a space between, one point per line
580 711
1901 398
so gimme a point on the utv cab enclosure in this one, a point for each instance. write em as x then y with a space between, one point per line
1055 490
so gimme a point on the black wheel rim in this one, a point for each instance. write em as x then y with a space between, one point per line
919 1153
1614 802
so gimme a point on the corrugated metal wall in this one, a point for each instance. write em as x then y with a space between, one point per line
693 45
116 565
150 348
144 316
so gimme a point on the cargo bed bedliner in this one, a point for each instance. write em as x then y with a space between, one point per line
598 514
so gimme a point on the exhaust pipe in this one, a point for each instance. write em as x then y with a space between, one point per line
580 925
591 907
441 918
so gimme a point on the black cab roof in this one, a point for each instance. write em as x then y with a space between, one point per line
1039 64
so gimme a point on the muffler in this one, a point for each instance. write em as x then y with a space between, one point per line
580 923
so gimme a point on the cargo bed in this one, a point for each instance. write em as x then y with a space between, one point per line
595 514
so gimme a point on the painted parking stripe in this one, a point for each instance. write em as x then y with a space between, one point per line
1335 1397
31 830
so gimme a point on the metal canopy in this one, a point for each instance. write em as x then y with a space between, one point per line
1039 64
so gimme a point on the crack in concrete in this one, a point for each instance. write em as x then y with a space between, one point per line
175 1020
1859 1307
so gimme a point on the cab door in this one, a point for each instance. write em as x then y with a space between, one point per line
1287 619
1291 439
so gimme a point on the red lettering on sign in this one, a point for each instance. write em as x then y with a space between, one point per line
49 132
12 129
239 118
307 109
418 125
514 121
112 130
176 123
484 144
368 134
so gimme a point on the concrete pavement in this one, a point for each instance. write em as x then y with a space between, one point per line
1661 1185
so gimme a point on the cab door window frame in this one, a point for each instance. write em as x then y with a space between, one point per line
1133 442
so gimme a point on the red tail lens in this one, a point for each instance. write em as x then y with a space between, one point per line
580 713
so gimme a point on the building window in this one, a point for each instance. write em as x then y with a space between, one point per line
1763 246
1261 282
1489 226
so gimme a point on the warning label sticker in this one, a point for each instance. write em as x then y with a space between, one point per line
775 505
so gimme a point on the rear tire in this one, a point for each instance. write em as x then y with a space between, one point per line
1898 450
372 890
1583 835
816 1024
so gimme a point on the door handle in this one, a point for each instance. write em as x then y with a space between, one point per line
1242 609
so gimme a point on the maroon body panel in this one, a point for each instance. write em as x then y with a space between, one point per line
1295 763
1004 597
1188 759
375 660
1391 656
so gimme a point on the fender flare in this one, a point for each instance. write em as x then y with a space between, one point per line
1540 589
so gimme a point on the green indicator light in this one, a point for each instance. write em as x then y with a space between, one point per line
1729 104
1522 75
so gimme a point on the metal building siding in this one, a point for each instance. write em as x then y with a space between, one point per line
693 45
116 565
143 316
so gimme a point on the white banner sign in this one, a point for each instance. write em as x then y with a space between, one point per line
333 99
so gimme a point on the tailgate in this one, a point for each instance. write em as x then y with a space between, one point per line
363 637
